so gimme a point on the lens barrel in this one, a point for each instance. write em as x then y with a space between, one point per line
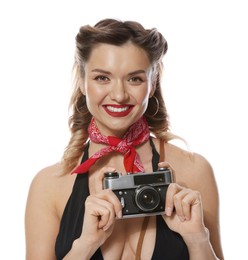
147 198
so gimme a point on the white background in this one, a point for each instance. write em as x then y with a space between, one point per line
204 88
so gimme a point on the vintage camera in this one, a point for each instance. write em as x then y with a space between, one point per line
140 194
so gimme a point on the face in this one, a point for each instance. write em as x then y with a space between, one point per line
117 86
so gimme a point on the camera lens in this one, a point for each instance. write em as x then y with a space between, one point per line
147 198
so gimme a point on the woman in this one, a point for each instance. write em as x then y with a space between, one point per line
119 123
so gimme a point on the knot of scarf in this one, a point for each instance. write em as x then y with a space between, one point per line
137 134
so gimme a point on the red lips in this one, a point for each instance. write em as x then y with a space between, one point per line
118 110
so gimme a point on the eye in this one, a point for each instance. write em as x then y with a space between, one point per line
136 80
101 78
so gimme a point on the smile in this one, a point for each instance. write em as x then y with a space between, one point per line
118 110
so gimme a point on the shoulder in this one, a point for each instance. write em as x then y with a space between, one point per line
46 200
49 187
47 177
194 171
44 184
190 168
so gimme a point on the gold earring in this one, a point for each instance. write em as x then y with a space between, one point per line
157 105
77 109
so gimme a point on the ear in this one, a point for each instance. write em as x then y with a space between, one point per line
82 85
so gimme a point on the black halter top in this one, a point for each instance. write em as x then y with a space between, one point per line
168 245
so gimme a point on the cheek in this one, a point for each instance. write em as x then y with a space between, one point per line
143 97
145 104
94 96
93 91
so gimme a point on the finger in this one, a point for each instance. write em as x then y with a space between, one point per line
189 202
99 176
109 196
173 189
182 203
107 217
102 212
165 165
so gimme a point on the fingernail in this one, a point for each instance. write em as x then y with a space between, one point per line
119 215
168 211
111 169
105 228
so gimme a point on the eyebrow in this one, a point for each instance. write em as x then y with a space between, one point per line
101 71
130 73
137 72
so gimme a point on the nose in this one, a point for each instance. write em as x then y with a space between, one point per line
119 92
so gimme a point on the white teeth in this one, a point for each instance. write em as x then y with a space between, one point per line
117 109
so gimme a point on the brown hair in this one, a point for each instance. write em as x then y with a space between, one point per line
117 33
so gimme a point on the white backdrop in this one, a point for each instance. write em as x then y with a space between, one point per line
204 88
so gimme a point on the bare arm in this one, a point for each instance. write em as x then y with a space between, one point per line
196 206
42 222
101 210
41 219
204 181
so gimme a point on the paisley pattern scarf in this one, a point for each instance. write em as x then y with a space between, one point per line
137 134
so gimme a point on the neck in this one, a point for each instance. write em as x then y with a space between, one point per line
110 132
136 135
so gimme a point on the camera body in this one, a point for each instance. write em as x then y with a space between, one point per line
140 194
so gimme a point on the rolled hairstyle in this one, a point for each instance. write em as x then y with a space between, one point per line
115 32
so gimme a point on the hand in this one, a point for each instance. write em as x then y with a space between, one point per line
100 214
101 209
183 209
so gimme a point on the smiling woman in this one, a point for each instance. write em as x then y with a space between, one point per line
117 77
117 85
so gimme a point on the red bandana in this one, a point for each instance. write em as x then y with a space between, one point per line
137 134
